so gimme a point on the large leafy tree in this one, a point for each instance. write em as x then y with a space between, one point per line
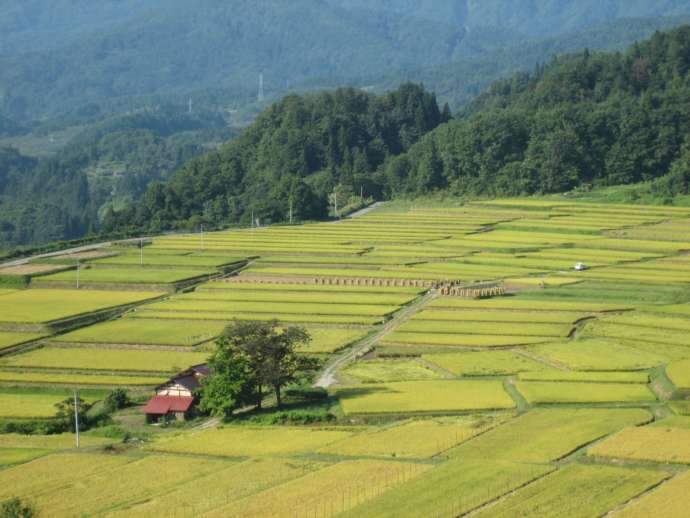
250 357
232 383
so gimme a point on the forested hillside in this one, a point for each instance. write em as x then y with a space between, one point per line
583 120
295 153
110 163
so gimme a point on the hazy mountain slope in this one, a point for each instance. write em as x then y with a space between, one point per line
57 56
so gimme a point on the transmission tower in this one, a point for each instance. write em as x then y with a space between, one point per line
261 88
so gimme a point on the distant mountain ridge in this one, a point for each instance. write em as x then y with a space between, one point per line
135 53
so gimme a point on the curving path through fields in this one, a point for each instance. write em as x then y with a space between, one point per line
328 376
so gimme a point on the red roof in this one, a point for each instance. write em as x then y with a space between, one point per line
161 405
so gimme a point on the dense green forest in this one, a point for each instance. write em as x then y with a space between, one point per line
584 120
295 154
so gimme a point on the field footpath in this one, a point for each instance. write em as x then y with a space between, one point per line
328 376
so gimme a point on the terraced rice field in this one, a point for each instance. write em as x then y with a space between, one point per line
544 435
577 491
552 400
36 305
247 441
379 371
647 443
146 332
8 339
679 373
483 363
413 439
424 396
25 404
592 355
124 275
89 358
672 497
541 392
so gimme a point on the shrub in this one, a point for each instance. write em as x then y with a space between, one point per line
15 508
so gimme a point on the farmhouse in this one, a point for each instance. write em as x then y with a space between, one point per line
176 399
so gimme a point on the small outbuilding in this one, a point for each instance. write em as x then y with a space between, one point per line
176 399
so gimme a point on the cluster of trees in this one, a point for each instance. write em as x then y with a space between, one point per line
583 120
294 155
251 357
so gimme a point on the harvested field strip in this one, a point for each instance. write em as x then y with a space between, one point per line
460 340
576 491
12 339
647 443
35 305
241 441
283 317
413 439
484 363
450 489
544 435
105 359
146 332
584 376
177 304
326 489
424 396
544 392
485 328
669 500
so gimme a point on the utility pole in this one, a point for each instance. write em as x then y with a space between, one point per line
77 273
203 244
76 415
252 219
335 201
361 194
290 211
